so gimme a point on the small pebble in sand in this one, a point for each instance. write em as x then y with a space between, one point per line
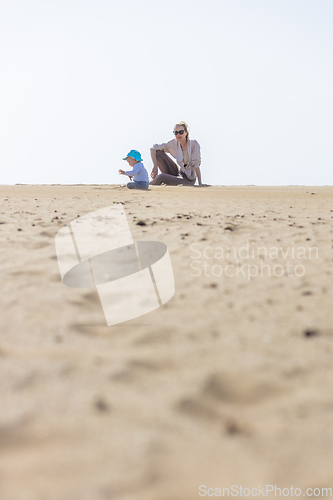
210 285
311 332
141 223
101 405
233 427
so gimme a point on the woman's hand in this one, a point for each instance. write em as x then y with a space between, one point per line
121 172
154 172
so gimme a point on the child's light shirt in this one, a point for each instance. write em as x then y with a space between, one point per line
138 172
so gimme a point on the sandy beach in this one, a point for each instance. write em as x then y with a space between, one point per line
229 383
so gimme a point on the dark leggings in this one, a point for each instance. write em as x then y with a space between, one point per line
170 172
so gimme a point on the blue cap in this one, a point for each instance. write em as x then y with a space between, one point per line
134 154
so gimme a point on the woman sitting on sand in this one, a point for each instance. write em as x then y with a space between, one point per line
186 153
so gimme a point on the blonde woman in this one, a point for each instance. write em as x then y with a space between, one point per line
186 152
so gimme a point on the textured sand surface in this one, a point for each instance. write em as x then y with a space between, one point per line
229 383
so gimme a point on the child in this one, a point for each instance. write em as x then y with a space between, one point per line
139 173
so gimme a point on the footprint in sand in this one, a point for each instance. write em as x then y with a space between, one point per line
238 388
230 389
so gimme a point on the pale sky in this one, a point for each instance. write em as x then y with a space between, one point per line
84 81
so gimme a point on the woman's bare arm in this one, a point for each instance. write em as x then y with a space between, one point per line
154 172
198 173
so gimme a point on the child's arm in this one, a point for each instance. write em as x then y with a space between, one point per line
134 171
122 172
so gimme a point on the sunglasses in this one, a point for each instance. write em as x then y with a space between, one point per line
178 132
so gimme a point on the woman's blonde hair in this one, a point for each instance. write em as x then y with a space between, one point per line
183 124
